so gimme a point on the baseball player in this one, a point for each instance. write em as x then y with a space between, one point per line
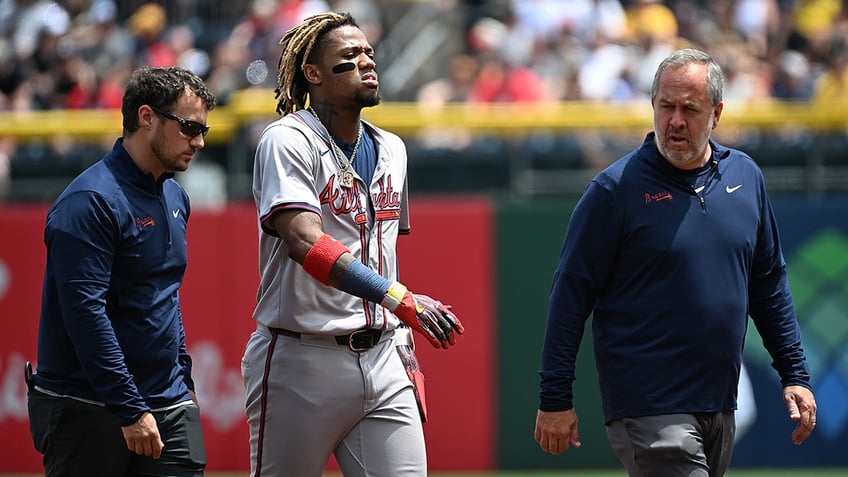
330 369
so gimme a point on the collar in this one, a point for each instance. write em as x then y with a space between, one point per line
127 170
317 126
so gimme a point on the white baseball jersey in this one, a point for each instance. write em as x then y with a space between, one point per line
296 168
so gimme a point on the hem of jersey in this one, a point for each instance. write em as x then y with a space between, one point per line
102 404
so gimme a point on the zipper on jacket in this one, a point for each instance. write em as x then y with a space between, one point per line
701 197
163 204
706 187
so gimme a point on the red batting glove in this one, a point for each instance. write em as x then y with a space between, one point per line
429 317
444 317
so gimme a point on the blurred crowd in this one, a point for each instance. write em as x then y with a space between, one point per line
608 50
77 54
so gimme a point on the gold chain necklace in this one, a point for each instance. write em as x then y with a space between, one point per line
345 175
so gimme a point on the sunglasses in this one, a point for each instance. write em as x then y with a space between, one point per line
187 127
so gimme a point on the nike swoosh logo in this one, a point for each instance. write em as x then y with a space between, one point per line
699 189
176 213
731 190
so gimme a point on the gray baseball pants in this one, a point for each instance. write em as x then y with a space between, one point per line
309 398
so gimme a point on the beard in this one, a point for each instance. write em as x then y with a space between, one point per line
170 164
677 158
691 157
368 99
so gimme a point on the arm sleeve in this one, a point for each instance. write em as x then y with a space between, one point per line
284 175
82 237
771 307
184 358
587 257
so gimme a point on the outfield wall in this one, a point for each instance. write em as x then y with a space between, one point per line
492 260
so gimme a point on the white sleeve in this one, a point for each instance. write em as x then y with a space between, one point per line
284 171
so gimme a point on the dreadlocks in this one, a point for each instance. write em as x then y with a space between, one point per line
298 44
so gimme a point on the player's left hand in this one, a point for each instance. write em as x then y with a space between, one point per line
430 317
433 319
441 316
802 408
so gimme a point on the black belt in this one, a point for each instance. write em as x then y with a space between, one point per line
359 340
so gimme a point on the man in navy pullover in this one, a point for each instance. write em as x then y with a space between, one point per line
670 249
113 394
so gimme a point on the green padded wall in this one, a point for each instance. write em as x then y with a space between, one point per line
529 239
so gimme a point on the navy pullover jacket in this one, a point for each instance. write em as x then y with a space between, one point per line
670 265
111 331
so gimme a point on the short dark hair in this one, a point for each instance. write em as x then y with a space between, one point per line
160 87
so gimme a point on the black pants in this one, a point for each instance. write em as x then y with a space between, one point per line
85 440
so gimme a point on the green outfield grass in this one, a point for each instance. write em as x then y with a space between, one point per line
609 473
800 472
804 472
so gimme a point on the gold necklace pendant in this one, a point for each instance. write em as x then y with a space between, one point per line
346 179
344 176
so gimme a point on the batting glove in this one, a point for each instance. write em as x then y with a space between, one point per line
427 316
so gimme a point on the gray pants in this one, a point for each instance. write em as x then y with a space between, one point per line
674 445
309 398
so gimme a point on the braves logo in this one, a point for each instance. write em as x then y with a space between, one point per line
658 197
144 222
341 200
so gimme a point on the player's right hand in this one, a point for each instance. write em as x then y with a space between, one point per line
556 432
143 436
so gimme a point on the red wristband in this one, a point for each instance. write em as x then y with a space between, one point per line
321 257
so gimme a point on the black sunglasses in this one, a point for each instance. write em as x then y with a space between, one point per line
187 127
